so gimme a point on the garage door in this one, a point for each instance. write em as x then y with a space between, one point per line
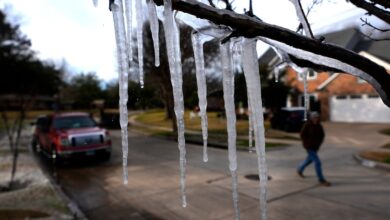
358 108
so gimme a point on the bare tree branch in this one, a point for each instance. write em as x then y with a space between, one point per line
366 22
251 27
212 3
302 18
372 9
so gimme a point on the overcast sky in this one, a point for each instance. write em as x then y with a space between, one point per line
83 35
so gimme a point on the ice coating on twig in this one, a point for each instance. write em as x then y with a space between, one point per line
139 18
252 77
305 96
230 110
154 29
174 60
120 37
129 27
95 2
197 46
302 18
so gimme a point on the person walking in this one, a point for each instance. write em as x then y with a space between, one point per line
312 135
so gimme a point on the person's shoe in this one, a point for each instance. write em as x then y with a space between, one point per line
300 174
325 183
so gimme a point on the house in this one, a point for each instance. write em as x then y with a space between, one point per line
341 97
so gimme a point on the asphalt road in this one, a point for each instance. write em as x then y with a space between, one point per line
153 190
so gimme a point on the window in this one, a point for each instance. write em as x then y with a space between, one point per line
356 96
311 75
341 97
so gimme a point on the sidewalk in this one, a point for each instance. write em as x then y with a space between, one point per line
33 194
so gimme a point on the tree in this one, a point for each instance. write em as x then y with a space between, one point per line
24 78
82 90
304 51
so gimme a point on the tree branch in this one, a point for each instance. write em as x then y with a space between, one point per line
251 27
365 22
384 3
372 9
302 18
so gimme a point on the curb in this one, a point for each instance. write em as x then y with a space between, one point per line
371 163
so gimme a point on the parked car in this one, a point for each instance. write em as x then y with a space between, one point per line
64 135
288 119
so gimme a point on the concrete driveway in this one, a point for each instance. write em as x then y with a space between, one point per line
153 190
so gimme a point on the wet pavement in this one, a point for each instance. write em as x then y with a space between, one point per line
153 190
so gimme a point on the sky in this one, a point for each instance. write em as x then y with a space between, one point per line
83 35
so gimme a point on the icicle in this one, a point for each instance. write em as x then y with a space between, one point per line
250 119
276 74
120 37
139 17
228 96
129 28
197 45
154 29
252 77
95 3
174 60
306 97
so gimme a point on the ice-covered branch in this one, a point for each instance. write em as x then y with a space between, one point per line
252 27
384 3
373 9
302 18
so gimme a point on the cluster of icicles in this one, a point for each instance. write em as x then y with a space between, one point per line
235 47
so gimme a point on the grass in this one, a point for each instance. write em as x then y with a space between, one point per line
379 156
386 146
217 129
385 131
216 124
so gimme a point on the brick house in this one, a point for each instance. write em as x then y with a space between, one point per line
342 97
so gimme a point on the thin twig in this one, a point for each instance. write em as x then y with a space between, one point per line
366 22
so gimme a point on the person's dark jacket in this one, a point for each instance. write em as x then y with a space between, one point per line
312 135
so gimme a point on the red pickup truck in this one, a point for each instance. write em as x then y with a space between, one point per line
63 135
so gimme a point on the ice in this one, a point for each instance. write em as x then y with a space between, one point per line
120 38
174 60
305 96
154 28
139 18
230 110
95 3
250 130
326 61
197 46
252 77
129 27
302 18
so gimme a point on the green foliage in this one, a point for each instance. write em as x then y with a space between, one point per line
82 90
22 75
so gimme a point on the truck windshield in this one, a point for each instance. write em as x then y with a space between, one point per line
73 122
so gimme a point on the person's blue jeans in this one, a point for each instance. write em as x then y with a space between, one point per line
312 157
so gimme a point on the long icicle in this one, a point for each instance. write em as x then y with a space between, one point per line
252 77
120 37
139 18
174 60
197 46
228 96
129 28
154 29
305 96
250 130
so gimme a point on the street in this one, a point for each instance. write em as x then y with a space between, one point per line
153 190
